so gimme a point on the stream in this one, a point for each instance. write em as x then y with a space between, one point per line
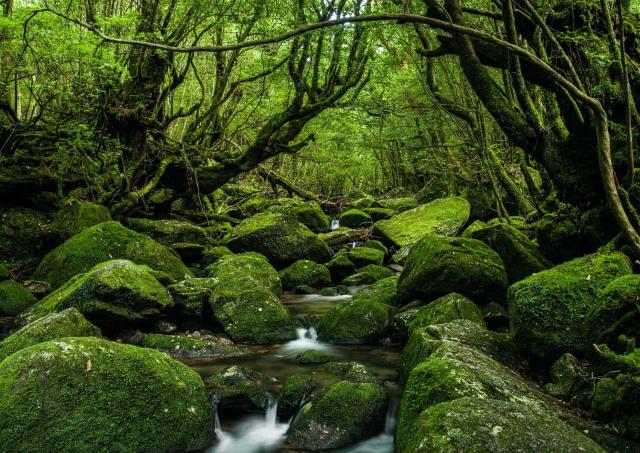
260 434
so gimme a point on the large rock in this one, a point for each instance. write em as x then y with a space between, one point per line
439 265
356 321
237 389
294 392
521 257
168 232
191 296
305 273
14 298
340 267
254 265
191 346
354 218
103 242
282 239
67 323
363 256
398 204
383 291
445 216
617 310
112 295
343 414
88 394
77 216
549 310
307 213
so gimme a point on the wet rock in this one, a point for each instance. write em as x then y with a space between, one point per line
383 291
297 388
238 390
312 357
350 371
191 346
373 244
305 273
37 287
254 265
191 296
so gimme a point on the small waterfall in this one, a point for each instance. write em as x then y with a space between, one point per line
335 224
307 339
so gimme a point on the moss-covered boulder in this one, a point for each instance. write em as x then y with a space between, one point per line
282 239
250 312
191 297
191 346
549 310
5 274
309 213
375 244
473 227
617 311
305 273
360 321
295 391
96 395
361 256
350 371
74 217
383 291
340 416
212 254
379 213
340 267
444 216
364 202
254 265
354 218
617 400
564 376
559 237
167 232
14 298
112 295
438 265
238 389
521 257
67 323
312 357
368 275
398 204
483 425
103 242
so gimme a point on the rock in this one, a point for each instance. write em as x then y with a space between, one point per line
250 312
373 244
364 202
398 204
438 265
212 254
559 238
383 291
191 296
616 311
294 392
37 287
362 256
14 298
340 267
165 327
75 217
475 226
445 216
112 295
96 395
564 377
312 357
103 242
283 240
238 390
549 310
617 400
477 424
305 273
309 214
167 232
354 218
5 274
496 317
368 275
67 323
254 265
343 414
400 257
521 257
350 371
360 321
379 213
191 346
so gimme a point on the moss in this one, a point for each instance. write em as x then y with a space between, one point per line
14 298
312 357
111 295
5 274
231 267
364 202
379 213
190 346
238 389
564 376
340 267
354 218
475 226
443 216
559 238
400 257
367 275
383 291
89 394
373 244
77 216
617 400
398 204
67 323
617 311
342 415
250 312
167 232
438 265
307 213
282 239
212 254
359 321
103 242
190 296
361 256
295 390
444 309
483 425
305 273
549 310
521 257
350 371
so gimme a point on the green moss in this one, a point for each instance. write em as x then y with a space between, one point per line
364 202
14 298
312 357
256 266
383 291
354 218
167 232
521 257
67 323
342 415
438 265
398 204
617 400
5 274
549 310
475 226
250 312
77 216
282 239
379 213
359 321
559 238
189 346
340 267
443 216
88 394
307 213
350 371
367 275
361 256
112 295
373 244
213 254
239 389
617 311
305 273
444 309
190 296
295 390
103 242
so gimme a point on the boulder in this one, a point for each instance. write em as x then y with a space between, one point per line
379 213
282 239
238 390
383 291
5 274
312 357
67 323
112 295
305 273
212 254
473 227
616 400
354 218
191 297
254 265
167 232
96 395
398 204
374 244
438 265
350 371
340 267
564 377
308 213
549 310
617 311
445 216
521 257
361 256
295 391
368 275
356 321
103 242
559 237
343 414
14 298
191 346
74 217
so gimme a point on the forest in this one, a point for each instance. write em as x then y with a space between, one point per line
361 226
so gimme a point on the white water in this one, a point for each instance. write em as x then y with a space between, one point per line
335 224
307 339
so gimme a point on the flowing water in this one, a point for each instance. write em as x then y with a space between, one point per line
335 224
